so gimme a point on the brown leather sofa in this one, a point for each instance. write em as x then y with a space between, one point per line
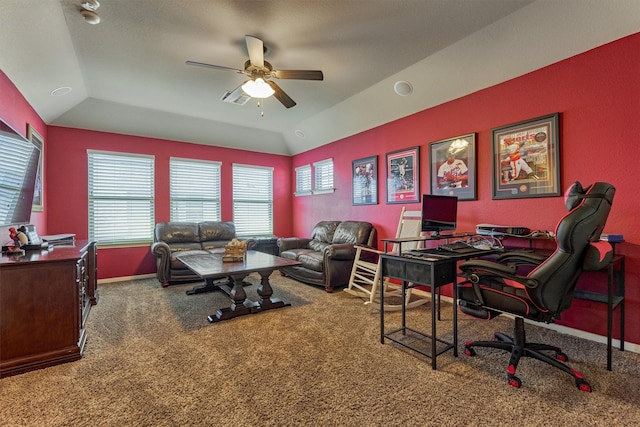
173 238
327 256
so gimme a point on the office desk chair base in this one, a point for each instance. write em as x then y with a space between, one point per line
519 347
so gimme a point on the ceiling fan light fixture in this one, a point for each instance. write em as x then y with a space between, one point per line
257 88
90 17
91 5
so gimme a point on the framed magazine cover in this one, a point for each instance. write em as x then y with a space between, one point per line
453 167
364 176
526 159
403 180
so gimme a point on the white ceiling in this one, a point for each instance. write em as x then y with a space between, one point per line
128 74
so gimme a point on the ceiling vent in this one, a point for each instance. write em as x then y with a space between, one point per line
237 97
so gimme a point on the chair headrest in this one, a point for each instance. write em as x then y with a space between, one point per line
576 193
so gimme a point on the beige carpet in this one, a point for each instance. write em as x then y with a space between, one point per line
152 359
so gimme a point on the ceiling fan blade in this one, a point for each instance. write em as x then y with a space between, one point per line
215 67
298 74
255 47
281 95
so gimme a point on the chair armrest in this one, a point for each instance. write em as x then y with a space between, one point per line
287 243
344 251
369 249
521 258
477 268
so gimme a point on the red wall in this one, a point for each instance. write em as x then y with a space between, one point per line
67 186
597 94
17 112
598 97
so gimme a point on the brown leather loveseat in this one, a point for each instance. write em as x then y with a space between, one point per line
327 256
174 238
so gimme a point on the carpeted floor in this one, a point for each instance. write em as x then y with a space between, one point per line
152 359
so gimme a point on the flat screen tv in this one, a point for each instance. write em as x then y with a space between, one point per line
18 168
439 213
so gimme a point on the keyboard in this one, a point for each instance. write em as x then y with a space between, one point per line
456 247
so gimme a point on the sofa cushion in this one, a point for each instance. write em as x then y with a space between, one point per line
352 232
293 254
318 245
323 231
312 261
176 232
176 264
216 230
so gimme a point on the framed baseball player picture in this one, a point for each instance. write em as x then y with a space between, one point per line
526 159
453 167
403 179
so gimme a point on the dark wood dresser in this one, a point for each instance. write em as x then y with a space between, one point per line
45 299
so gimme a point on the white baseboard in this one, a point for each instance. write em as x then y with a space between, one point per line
125 278
628 346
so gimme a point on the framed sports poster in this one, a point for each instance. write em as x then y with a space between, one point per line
526 159
453 167
403 180
365 181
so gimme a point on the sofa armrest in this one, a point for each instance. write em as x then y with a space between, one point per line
287 243
162 252
344 251
250 243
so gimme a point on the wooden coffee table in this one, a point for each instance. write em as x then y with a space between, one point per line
210 266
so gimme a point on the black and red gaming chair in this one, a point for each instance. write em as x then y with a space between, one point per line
493 288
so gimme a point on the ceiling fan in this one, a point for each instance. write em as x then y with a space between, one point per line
260 72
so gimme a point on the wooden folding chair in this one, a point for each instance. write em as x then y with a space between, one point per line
365 274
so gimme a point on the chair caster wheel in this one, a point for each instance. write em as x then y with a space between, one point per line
514 381
562 357
583 386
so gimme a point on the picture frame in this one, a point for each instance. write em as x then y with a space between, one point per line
453 169
403 176
364 175
38 193
526 159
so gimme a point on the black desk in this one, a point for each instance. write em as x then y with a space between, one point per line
613 298
433 269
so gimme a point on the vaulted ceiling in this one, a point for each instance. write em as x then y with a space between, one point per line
128 73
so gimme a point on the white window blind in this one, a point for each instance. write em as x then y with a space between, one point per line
323 176
121 198
18 164
303 180
253 200
195 190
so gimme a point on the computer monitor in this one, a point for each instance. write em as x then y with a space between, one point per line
439 213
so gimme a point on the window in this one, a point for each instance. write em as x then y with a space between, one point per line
121 203
195 190
303 180
253 200
323 176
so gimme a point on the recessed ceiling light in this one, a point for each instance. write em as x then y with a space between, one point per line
403 88
299 133
63 90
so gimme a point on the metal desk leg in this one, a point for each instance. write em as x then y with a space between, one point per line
433 327
609 313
